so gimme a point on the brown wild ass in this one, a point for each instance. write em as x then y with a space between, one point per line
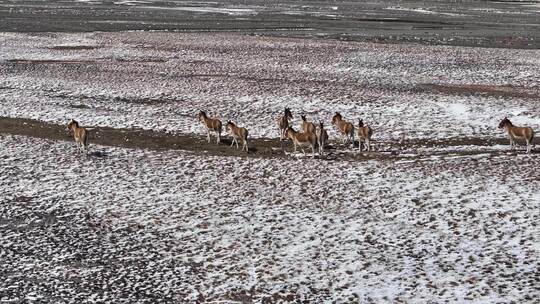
322 138
364 135
237 133
307 127
211 124
346 128
80 134
302 139
283 123
517 132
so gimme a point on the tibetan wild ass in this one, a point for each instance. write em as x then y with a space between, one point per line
211 124
364 135
322 138
237 133
517 132
80 134
346 128
307 127
283 123
302 139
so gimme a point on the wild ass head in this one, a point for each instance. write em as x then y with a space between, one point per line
287 114
337 117
505 122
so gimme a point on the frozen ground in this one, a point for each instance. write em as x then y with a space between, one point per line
136 226
160 81
504 23
448 216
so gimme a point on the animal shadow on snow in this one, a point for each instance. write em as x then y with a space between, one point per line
98 154
227 143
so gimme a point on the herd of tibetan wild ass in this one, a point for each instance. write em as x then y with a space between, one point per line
311 135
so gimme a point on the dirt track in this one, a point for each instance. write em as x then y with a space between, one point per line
260 147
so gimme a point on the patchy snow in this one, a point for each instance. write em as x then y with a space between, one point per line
161 80
421 11
132 2
124 225
206 9
90 1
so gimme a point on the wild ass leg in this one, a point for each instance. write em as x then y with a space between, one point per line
232 141
218 140
208 135
511 142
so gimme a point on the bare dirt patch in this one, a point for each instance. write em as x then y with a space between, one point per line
79 106
259 147
48 61
74 47
480 89
137 138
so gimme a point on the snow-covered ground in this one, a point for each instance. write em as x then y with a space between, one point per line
432 223
160 80
126 226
